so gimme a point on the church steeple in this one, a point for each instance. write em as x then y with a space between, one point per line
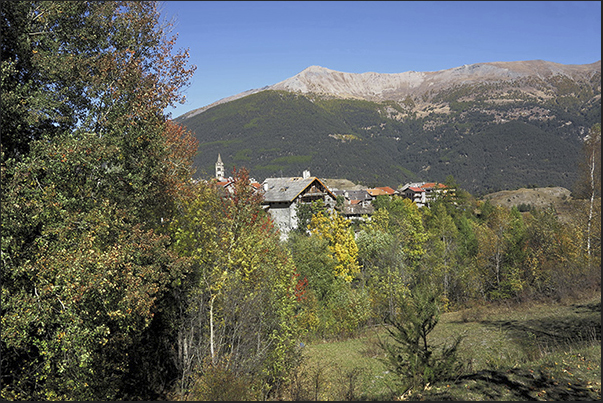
219 169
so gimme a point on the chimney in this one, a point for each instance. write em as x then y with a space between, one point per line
306 174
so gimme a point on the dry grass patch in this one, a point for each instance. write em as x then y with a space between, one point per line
526 352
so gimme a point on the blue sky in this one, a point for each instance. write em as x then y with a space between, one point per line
243 45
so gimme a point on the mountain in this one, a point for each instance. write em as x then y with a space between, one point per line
492 126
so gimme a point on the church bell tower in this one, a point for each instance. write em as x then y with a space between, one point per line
219 169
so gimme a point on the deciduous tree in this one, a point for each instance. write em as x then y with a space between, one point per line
501 245
589 188
240 299
86 157
442 247
554 265
383 273
336 230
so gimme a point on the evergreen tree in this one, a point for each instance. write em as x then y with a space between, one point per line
410 353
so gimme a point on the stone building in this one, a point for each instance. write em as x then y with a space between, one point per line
282 195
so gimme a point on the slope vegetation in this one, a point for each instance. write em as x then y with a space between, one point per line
522 129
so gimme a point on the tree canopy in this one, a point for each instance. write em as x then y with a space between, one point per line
87 155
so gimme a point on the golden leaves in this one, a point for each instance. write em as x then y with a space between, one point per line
336 230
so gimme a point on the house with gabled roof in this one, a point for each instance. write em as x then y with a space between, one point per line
414 193
356 203
355 209
422 193
227 185
282 195
380 191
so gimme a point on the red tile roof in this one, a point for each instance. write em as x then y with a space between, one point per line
387 189
384 190
432 185
376 192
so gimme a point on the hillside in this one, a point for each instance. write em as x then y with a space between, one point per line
539 197
493 126
557 197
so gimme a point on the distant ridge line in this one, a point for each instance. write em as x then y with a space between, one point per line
397 86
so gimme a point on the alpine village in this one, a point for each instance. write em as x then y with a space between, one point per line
417 236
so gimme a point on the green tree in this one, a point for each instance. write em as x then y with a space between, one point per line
392 246
316 267
383 274
86 161
314 261
554 265
328 259
469 245
239 301
467 281
304 213
405 222
442 247
409 353
501 252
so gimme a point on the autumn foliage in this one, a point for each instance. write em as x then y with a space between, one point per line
124 279
90 170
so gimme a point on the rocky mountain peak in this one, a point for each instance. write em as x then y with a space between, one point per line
316 70
398 87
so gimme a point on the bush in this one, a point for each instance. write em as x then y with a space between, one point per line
346 311
218 383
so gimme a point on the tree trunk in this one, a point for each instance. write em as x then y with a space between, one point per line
592 201
211 330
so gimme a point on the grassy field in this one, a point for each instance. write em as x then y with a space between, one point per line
529 352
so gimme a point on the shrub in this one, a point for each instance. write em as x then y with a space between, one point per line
218 383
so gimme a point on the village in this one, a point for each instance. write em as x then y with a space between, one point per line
282 195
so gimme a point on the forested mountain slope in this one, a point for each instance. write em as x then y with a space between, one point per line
493 126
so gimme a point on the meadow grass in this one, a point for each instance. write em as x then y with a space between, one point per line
523 352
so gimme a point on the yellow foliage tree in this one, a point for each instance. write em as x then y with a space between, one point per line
336 230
